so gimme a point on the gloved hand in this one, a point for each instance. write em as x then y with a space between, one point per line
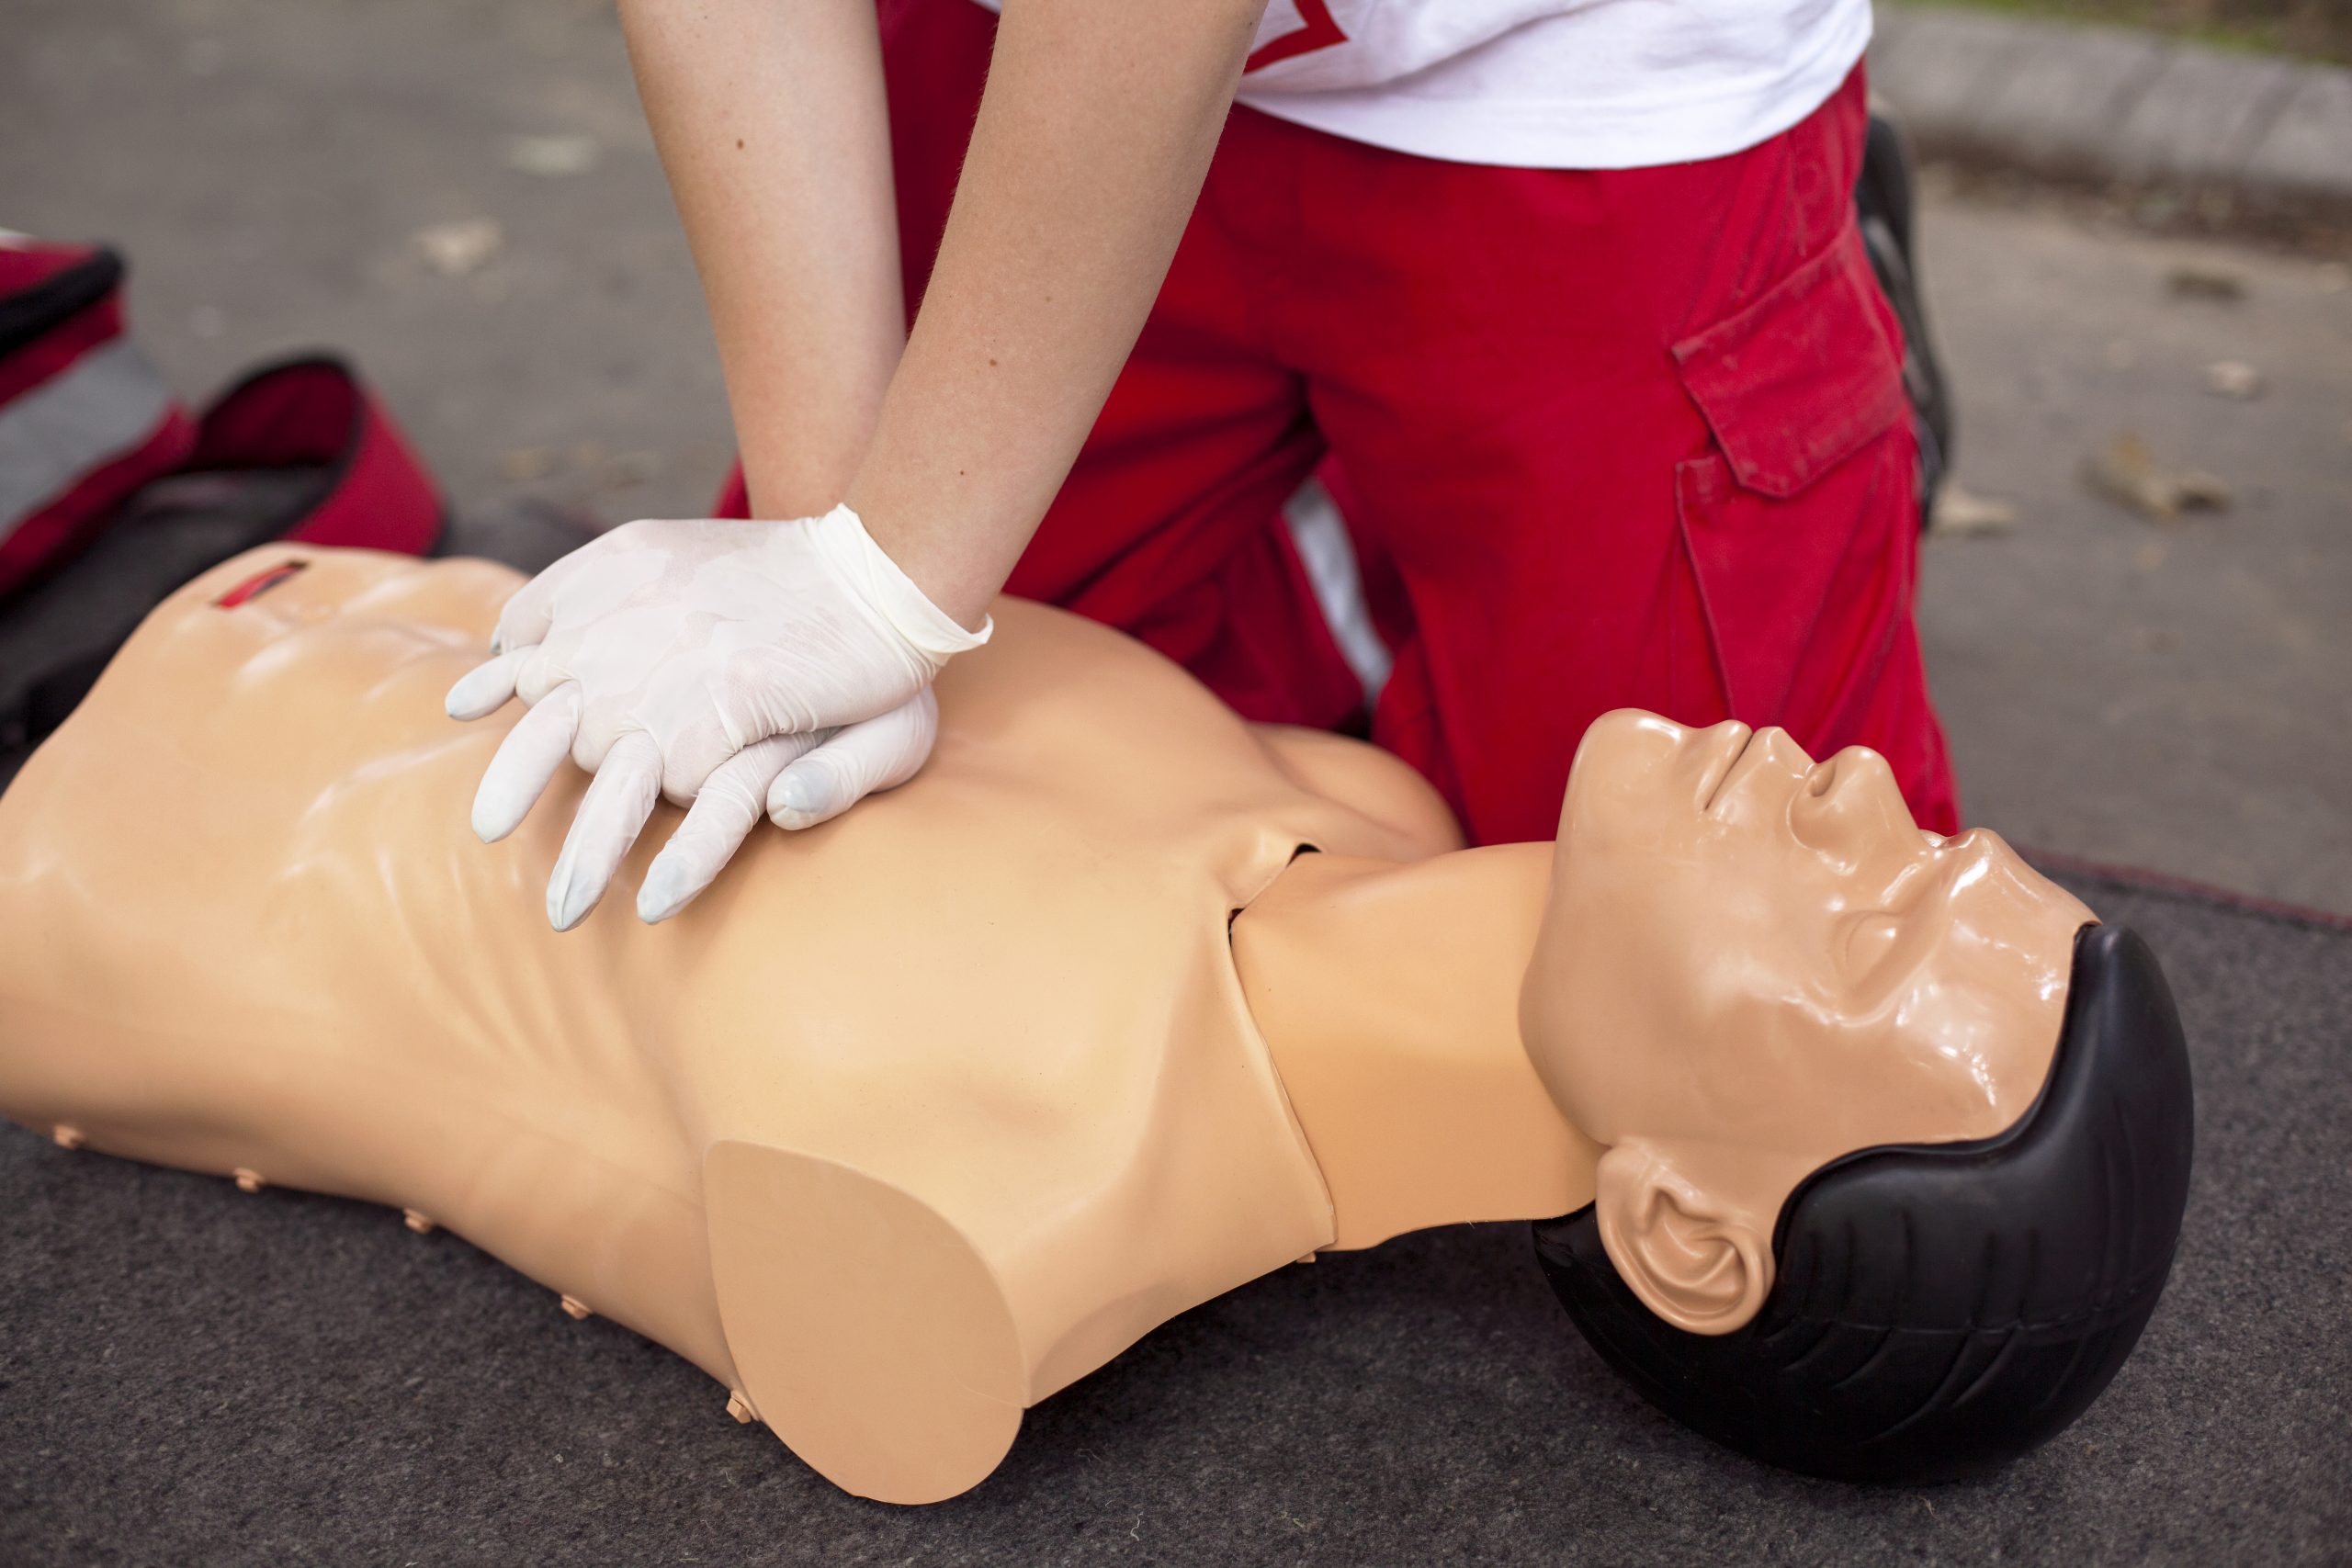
784 664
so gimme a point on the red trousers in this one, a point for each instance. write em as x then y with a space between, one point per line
1627 438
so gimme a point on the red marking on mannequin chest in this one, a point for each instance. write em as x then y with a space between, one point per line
259 583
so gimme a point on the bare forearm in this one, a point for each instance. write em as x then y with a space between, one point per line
1092 140
771 124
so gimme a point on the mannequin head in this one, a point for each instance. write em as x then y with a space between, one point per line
1752 963
1754 969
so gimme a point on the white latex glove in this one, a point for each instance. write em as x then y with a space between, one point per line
795 658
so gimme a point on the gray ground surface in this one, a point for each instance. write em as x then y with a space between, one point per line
2177 696
2173 696
192 1377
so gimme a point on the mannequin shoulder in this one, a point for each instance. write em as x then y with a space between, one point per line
1072 706
1374 783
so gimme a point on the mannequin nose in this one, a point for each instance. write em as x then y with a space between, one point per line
1850 802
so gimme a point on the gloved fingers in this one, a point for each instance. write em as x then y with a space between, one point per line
704 721
760 691
530 615
484 689
731 802
696 752
858 760
536 671
526 759
619 798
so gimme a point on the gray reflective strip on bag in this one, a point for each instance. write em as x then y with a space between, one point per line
108 403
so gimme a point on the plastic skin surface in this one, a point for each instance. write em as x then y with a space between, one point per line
920 1115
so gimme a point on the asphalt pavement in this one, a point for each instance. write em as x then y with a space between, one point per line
2170 695
462 196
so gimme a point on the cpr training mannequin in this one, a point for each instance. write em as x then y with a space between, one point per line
919 1116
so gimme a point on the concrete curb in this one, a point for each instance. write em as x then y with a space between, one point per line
2116 104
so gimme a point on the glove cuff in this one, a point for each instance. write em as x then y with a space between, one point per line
841 537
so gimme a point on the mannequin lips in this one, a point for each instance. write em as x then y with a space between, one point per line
1729 742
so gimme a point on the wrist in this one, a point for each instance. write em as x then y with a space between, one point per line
926 625
938 559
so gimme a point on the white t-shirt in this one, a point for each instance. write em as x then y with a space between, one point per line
1552 83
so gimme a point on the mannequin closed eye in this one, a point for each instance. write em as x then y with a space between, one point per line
1879 943
1870 943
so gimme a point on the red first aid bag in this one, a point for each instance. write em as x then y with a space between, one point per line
83 418
112 495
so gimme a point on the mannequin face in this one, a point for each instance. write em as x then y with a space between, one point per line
1752 963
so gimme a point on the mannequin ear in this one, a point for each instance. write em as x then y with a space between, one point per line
1694 1260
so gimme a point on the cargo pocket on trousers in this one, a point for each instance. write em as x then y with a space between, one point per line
1791 512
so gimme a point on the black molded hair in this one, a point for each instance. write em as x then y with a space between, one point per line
1940 1309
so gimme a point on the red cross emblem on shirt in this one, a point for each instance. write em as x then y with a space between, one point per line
1316 30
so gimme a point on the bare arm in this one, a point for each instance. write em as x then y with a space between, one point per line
770 120
737 666
1092 140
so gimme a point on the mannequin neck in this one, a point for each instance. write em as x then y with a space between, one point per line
1388 994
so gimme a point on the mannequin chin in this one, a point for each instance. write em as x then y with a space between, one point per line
920 1115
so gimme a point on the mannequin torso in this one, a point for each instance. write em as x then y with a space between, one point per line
968 1070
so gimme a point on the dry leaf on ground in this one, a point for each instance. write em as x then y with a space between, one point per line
2197 282
2126 472
525 463
455 249
552 155
1959 511
2233 379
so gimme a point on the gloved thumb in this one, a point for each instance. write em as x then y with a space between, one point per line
859 760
